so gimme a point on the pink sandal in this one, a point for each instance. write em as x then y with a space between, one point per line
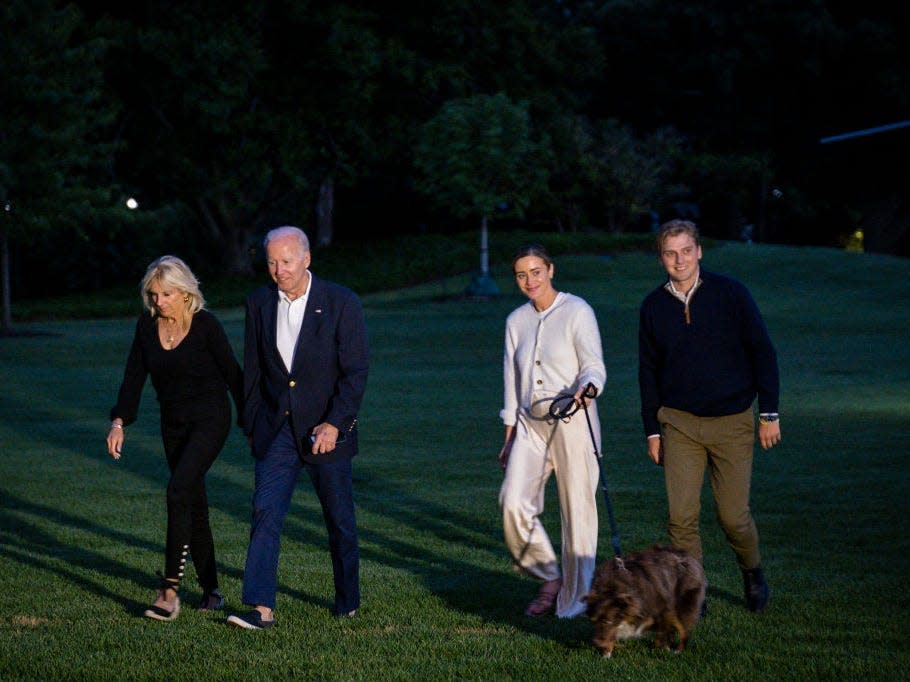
544 602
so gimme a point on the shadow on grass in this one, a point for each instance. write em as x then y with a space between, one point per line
32 547
493 596
498 596
450 551
715 593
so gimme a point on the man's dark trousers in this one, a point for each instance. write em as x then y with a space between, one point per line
276 478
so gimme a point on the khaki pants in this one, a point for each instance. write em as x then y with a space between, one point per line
543 447
725 446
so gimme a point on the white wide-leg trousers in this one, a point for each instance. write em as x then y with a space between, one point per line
543 447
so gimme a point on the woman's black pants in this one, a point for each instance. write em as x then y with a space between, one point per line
191 447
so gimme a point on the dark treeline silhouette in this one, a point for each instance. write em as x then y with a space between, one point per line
361 119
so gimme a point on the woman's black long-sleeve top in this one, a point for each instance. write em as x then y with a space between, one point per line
190 380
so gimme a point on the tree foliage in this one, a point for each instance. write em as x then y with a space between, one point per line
476 157
55 186
224 120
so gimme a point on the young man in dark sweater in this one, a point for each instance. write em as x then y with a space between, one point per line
704 357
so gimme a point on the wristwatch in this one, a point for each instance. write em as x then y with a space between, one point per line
767 418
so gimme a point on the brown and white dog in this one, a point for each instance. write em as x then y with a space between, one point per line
660 589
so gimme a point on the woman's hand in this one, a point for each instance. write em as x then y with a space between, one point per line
506 448
115 439
504 455
580 398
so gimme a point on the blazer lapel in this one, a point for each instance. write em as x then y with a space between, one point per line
269 328
312 319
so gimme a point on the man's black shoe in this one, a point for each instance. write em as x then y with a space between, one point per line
758 593
250 621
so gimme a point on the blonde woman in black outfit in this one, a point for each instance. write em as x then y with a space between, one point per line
184 349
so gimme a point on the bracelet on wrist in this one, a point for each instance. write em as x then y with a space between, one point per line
116 425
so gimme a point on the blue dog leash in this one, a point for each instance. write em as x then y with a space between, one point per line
559 411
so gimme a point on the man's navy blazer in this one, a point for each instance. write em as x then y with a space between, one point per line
328 376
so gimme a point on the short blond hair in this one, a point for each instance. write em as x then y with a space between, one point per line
171 271
674 228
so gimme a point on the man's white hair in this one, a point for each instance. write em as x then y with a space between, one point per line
287 231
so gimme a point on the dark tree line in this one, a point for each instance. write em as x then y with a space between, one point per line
222 119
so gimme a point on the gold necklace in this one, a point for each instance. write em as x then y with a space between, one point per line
170 335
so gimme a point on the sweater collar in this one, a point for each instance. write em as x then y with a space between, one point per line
684 297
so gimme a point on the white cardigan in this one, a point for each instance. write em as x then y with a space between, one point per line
555 351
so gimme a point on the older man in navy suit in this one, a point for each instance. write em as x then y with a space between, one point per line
305 370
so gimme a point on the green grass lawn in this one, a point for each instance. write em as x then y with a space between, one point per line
82 536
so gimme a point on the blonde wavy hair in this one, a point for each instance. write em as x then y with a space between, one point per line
172 272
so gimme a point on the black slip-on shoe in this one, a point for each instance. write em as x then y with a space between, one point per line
212 601
250 621
758 593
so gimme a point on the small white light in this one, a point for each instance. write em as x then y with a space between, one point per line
132 204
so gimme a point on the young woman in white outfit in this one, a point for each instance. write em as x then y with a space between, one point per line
552 347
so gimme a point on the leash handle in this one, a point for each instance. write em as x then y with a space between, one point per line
564 405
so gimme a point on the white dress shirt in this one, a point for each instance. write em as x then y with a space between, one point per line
290 319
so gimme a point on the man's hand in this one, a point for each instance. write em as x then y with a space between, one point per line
769 434
324 438
656 449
